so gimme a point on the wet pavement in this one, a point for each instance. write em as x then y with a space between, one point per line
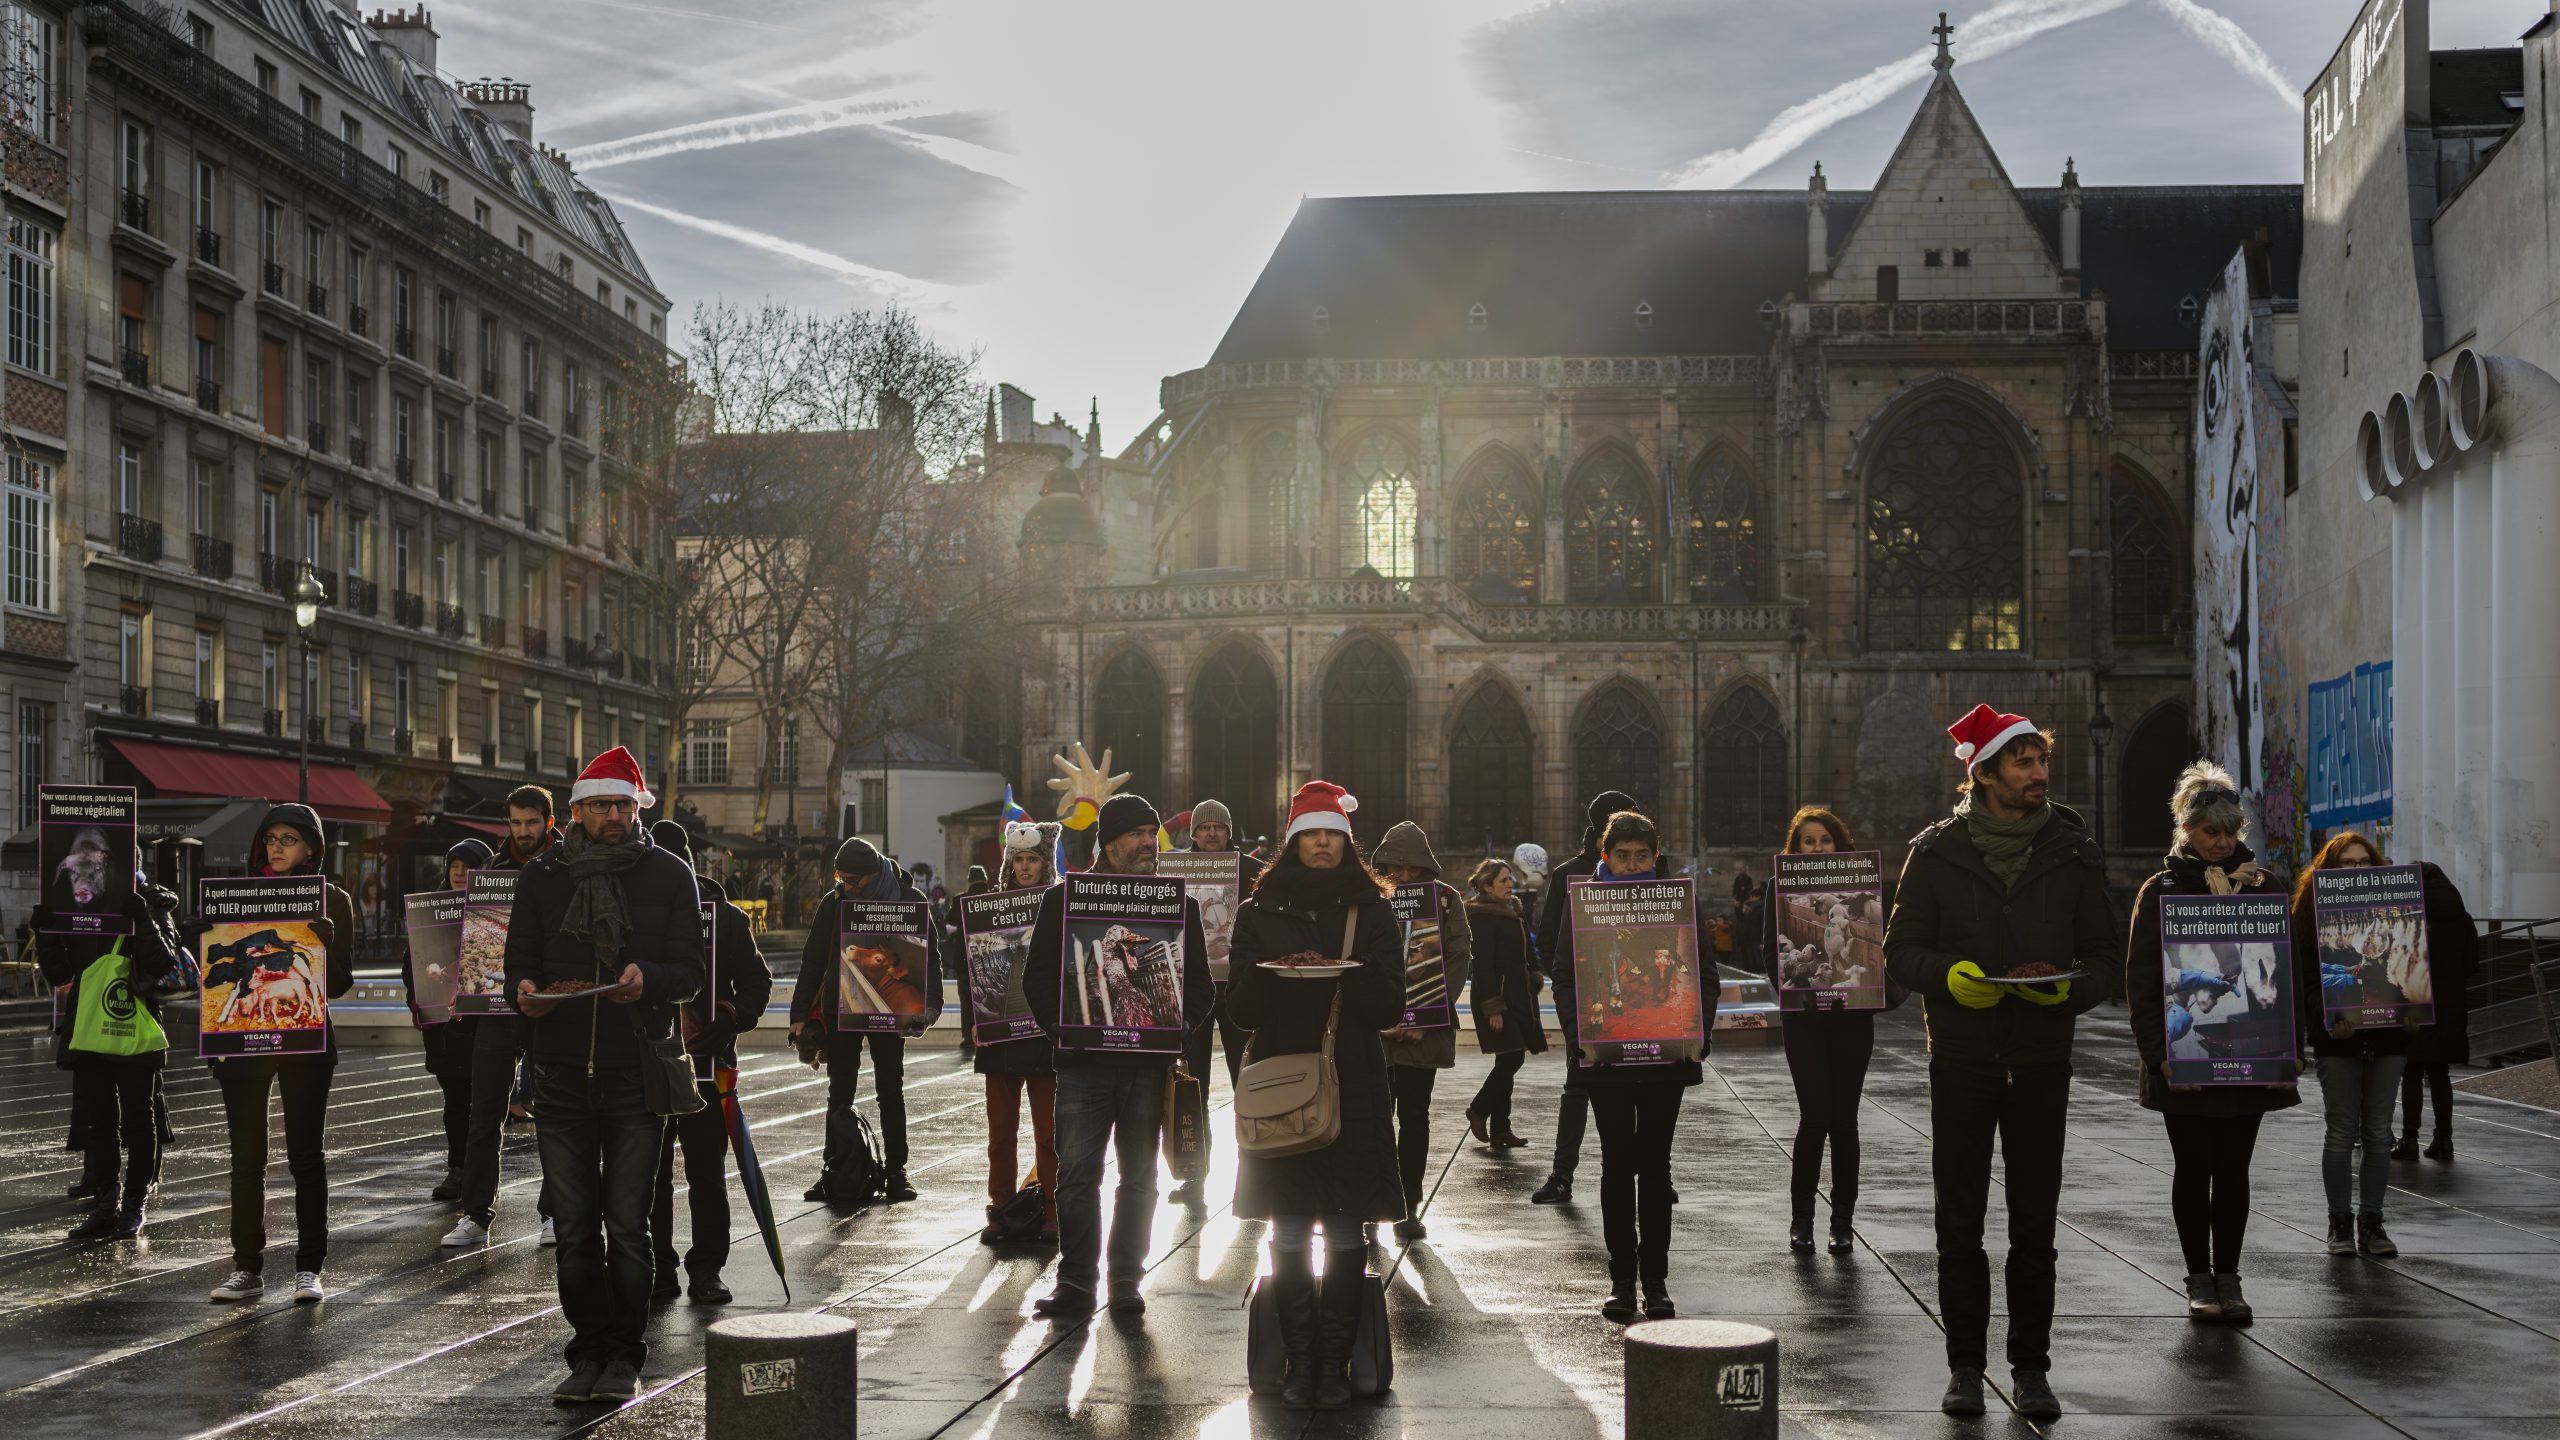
1496 1323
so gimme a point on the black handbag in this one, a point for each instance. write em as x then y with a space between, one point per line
666 1075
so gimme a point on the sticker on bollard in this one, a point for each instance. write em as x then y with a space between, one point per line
1738 1388
1701 1380
780 1377
767 1377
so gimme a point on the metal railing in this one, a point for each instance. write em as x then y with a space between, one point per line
318 435
213 557
359 451
134 366
355 735
315 297
451 623
363 596
209 713
208 394
404 342
409 610
2515 992
135 211
359 320
275 573
271 723
133 700
208 246
138 539
537 642
271 278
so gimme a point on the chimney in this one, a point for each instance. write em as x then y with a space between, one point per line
408 32
505 100
1014 409
897 418
2070 218
1817 224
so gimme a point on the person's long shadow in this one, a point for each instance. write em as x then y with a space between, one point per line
1452 1356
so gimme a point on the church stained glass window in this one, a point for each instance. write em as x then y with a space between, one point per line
1610 525
1742 772
1490 774
1495 533
1271 492
2150 562
1946 535
1128 717
1365 706
1724 533
1618 746
1379 508
1235 736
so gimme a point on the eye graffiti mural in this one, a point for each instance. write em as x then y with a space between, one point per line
2228 685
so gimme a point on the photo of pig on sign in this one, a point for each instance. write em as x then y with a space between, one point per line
85 856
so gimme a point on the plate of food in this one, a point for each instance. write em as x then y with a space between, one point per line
1310 966
2036 973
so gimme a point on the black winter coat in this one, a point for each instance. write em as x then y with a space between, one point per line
64 959
664 940
1549 934
741 983
1355 1175
813 990
1578 1072
2453 955
1950 907
2145 975
1040 982
1503 983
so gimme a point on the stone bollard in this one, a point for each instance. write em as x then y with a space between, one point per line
1701 1380
780 1377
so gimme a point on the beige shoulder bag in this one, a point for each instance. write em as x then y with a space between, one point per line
1291 1104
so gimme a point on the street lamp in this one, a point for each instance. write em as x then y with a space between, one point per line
2102 728
308 596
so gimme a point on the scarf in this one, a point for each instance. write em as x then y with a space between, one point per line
596 914
1603 872
2232 876
1303 888
2003 844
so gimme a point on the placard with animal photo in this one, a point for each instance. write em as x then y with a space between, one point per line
488 906
1830 930
995 936
266 972
1120 980
435 952
1635 971
2226 980
1216 880
1426 970
884 951
2371 924
85 849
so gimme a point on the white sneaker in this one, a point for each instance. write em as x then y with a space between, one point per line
466 1232
549 1235
241 1286
306 1286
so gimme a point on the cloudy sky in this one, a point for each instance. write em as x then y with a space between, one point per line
1084 192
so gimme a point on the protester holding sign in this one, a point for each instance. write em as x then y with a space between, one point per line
497 1048
1639 1007
1828 1039
1573 1115
1439 958
85 837
1216 874
1502 998
1013 1053
2360 1065
273 976
819 1008
107 993
2208 952
430 975
2453 953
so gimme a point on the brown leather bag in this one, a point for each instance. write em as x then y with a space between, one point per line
1291 1104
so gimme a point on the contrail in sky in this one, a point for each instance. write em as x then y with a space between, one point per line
994 164
906 288
783 124
2225 38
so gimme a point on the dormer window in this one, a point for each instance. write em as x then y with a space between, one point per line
1932 259
1644 314
1964 259
2187 308
1476 316
1324 321
1768 312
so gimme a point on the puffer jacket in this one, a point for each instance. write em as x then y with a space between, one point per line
1437 1048
1949 907
664 940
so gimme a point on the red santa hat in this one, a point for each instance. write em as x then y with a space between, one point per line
1320 805
1980 734
612 773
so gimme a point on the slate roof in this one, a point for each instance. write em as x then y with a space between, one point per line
2469 88
1561 273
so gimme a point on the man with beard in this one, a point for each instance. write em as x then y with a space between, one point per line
1213 833
604 909
497 1052
1111 1098
1573 1116
2011 883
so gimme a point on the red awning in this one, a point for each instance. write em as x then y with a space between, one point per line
181 771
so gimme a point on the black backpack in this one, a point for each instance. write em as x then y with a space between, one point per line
853 1175
1018 1219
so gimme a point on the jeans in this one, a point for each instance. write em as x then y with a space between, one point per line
2209 1189
497 1043
2357 1091
303 1084
2426 1079
1493 1097
1827 1057
704 1134
1573 1115
1636 1123
1004 1124
888 1087
600 1161
2026 1109
1122 1107
120 1123
1411 1085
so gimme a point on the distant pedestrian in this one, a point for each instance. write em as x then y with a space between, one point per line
2453 955
1827 1054
1573 1115
1416 1054
1502 999
2360 1072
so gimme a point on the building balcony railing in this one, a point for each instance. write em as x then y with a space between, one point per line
488 755
134 366
533 761
318 435
532 404
133 700
359 451
356 736
493 631
444 484
135 210
1558 371
315 728
315 297
489 381
404 342
404 741
328 582
2043 318
208 394
138 538
451 623
532 516
573 422
208 246
642 672
537 642
213 557
359 320
488 499
2179 365
573 651
409 610
276 574
444 361
271 723
444 747
1193 603
364 597
209 713
271 278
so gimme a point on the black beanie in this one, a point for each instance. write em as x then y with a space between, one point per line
1608 803
1120 815
670 835
856 857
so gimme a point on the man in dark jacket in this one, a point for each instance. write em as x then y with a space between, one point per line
1573 1114
1113 1098
862 873
497 1049
2010 882
607 911
111 1095
740 985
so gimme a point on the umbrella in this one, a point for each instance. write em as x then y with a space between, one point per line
750 1172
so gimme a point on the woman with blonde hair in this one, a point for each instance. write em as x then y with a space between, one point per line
1827 1054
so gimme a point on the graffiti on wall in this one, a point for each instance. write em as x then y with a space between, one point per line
2336 101
2227 679
2349 779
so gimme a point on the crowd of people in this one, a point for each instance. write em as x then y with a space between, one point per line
2000 921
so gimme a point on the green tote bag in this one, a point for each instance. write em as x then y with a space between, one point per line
111 1020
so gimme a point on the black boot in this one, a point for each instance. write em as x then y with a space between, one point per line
99 1225
1844 1234
1293 1296
129 1217
450 1187
1338 1325
1620 1307
1800 1234
96 1178
2406 1148
2441 1148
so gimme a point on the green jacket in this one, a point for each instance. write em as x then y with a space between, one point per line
1951 908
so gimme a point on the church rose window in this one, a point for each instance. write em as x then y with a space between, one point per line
1271 489
1490 774
1609 534
1365 706
1742 772
1235 737
1945 535
1496 532
1379 508
2150 563
1724 533
1128 717
1618 746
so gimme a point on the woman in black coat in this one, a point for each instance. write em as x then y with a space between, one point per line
1016 1069
2213 1129
1302 907
2453 953
447 1042
1635 1106
111 1095
1503 997
1827 1055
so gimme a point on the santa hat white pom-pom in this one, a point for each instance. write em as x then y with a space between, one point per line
1350 803
1964 751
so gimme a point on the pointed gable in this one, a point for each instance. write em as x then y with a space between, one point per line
1944 190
